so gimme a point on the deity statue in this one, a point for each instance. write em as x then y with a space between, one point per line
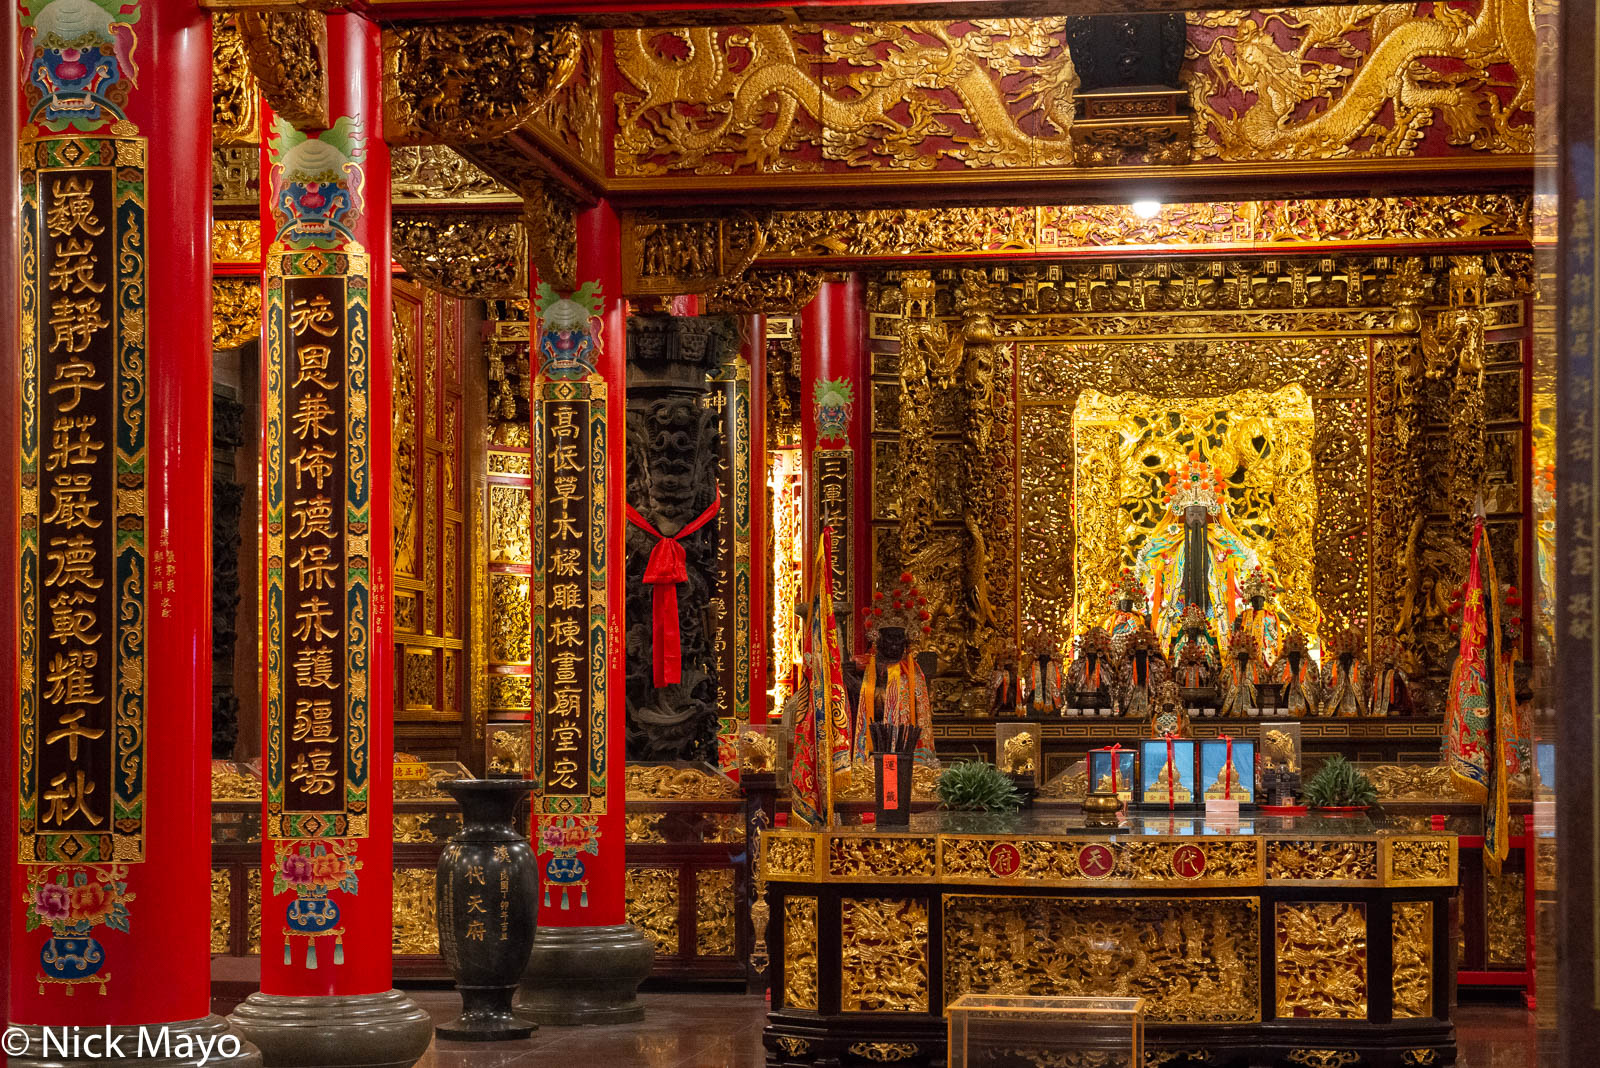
1391 694
1245 667
1196 558
1004 696
1296 672
1141 669
1345 684
1042 690
1259 620
1195 658
891 687
1127 608
1169 716
1092 669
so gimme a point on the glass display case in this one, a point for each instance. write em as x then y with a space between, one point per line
1113 767
1017 751
1282 762
1228 770
1002 1031
1167 773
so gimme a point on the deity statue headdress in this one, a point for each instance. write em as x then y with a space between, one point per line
1144 639
1294 642
1511 616
1243 645
1193 617
1094 640
1347 640
1195 483
902 606
1386 651
1258 584
1128 588
1040 641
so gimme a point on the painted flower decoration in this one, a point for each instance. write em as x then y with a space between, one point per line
52 902
297 869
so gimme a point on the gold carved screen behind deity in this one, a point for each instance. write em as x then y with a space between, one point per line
1260 443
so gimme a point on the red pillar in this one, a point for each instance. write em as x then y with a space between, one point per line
587 960
833 444
326 983
110 877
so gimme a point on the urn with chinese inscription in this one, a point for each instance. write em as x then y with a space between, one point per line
488 904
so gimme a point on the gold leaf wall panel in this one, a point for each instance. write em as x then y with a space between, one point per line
800 953
1413 959
715 920
416 924
883 955
221 910
1192 960
1322 959
652 905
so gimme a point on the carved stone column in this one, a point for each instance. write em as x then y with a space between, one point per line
326 962
109 572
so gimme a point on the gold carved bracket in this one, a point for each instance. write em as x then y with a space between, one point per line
761 292
466 82
465 255
235 312
287 49
668 255
551 219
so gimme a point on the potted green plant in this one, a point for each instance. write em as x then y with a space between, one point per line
976 786
1340 788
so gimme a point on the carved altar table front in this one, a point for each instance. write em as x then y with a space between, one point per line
1309 941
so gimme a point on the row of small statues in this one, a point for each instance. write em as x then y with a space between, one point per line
1127 673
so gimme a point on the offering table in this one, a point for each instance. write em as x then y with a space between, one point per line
1312 941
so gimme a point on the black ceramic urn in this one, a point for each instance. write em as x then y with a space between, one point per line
488 887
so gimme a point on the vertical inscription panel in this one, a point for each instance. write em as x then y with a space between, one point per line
82 559
835 479
569 597
318 504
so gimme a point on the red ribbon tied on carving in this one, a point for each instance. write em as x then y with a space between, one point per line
1116 747
664 570
1172 775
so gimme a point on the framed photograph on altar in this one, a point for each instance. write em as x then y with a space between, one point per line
1167 773
1125 779
1222 779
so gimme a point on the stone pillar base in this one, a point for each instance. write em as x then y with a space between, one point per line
386 1030
585 975
175 1045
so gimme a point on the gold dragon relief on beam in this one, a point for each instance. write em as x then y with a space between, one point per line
1192 960
572 116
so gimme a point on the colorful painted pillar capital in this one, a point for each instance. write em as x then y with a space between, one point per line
327 849
587 959
111 576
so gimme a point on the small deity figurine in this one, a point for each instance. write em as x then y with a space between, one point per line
1169 716
893 688
1296 672
1244 668
1128 612
1004 697
1020 754
1195 659
1344 678
1042 691
1391 695
1141 669
1258 620
1092 669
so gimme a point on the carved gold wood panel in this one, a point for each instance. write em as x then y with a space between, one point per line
1194 960
1505 920
1322 959
221 910
1322 859
881 857
883 955
1413 959
416 924
1000 93
572 117
800 953
652 906
715 920
253 910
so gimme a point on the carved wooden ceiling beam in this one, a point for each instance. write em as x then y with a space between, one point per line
479 257
766 291
678 255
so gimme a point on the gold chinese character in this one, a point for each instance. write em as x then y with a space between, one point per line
475 874
566 665
565 458
314 515
475 904
566 595
69 678
566 490
475 930
71 208
71 623
313 366
567 562
312 461
76 322
310 415
68 799
73 558
502 852
311 620
73 503
566 632
313 666
316 774
67 450
73 269
313 721
567 737
77 376
564 773
567 703
312 314
72 729
564 528
564 426
316 567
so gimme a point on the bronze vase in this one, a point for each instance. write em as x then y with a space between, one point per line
487 906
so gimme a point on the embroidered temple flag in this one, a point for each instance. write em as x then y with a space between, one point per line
822 725
1476 715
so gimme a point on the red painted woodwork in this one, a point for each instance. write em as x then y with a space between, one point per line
354 89
10 443
159 969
